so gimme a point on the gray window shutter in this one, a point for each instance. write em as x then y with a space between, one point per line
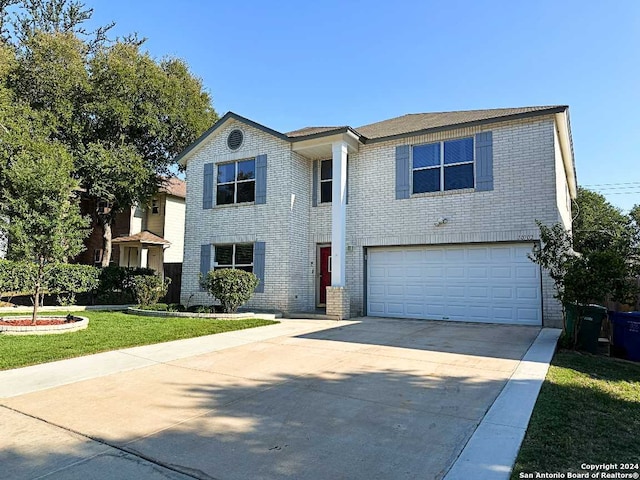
207 186
258 265
403 169
261 179
205 260
314 187
484 161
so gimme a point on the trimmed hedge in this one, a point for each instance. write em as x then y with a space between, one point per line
20 278
68 278
16 277
232 287
117 284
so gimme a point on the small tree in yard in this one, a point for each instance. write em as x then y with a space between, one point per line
231 286
45 225
581 278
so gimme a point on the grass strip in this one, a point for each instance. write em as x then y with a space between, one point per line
110 331
588 411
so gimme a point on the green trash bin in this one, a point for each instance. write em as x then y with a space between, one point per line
590 325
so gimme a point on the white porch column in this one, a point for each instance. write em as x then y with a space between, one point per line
338 214
144 257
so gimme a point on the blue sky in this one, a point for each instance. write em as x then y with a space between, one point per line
291 64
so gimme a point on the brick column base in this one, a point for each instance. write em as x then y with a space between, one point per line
338 304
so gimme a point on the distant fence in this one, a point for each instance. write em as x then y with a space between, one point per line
174 272
624 307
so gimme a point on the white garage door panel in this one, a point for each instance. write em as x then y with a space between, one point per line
476 283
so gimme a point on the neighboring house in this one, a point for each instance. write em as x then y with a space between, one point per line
150 236
422 216
156 233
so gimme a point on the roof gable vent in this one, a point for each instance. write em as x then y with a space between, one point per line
235 139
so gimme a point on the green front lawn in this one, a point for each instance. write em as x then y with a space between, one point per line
588 411
110 331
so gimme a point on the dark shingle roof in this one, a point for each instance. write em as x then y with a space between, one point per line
406 125
311 131
416 122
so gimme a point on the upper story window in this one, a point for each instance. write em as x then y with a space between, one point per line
155 207
326 183
237 255
236 182
103 207
443 166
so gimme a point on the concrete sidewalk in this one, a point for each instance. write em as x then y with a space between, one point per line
305 399
39 377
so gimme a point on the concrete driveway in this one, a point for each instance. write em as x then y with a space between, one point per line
305 399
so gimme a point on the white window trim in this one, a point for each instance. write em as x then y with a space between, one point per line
442 165
233 265
327 180
235 182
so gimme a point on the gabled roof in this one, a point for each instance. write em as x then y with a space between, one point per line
404 126
174 186
227 116
142 237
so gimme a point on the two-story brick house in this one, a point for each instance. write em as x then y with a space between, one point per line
421 216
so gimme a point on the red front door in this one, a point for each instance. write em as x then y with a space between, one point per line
325 274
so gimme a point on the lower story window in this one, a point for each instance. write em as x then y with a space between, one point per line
236 255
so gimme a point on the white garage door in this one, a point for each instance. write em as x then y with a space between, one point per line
494 283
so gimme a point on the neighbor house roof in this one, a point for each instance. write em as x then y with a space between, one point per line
403 126
142 237
174 186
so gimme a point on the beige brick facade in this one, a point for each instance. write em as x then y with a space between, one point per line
338 303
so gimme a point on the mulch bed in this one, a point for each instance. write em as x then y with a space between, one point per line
25 322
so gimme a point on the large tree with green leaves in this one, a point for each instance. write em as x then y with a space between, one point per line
142 113
123 115
609 237
19 19
598 224
634 215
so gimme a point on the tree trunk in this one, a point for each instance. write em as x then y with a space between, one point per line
36 293
105 222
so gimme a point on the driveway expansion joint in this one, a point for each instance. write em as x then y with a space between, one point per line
175 468
490 452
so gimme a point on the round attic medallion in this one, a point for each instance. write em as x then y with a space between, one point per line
234 140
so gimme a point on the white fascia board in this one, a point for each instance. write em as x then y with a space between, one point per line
566 147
